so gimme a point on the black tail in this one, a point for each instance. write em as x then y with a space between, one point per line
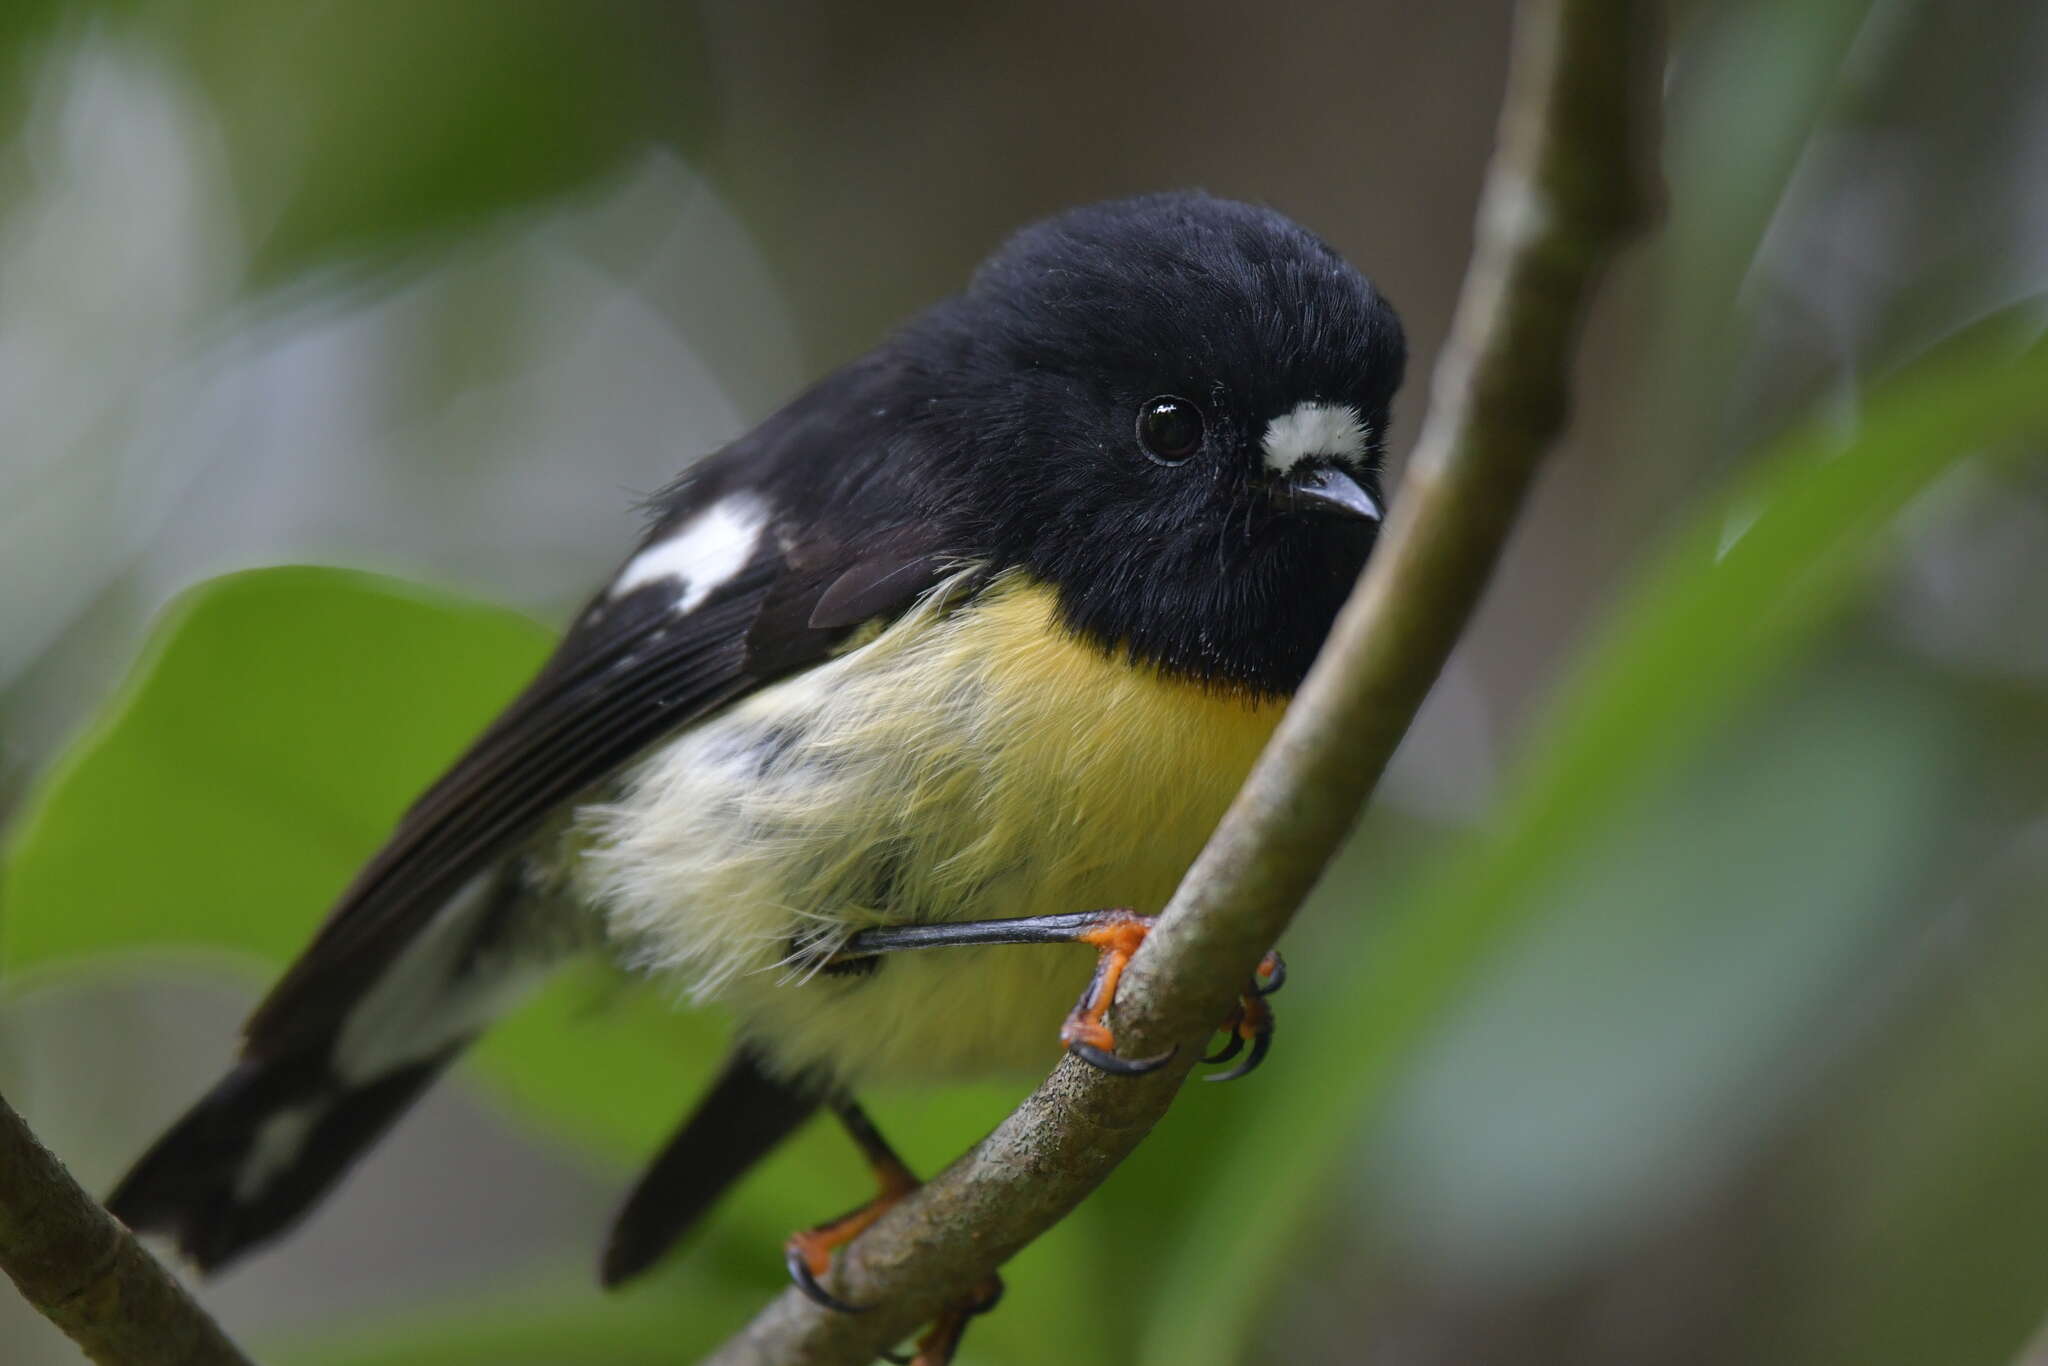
741 1118
251 1158
315 1089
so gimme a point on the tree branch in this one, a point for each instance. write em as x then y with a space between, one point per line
85 1273
1564 191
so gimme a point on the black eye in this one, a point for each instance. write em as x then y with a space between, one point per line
1170 429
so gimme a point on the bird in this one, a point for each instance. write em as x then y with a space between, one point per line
905 713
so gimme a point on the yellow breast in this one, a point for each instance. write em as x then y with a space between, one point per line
978 763
1131 768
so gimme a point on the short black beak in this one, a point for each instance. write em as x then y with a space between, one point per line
1326 488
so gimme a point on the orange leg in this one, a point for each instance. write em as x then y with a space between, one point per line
809 1253
1116 934
1086 1032
942 1339
1088 1036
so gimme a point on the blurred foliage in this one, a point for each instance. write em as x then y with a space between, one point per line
1686 649
355 130
1712 1039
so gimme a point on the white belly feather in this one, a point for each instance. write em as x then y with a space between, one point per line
970 765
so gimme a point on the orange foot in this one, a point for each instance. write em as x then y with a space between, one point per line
809 1254
1086 1032
942 1339
1117 935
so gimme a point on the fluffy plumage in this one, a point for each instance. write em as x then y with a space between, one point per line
953 636
977 763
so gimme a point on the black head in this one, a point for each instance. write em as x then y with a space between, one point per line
1171 409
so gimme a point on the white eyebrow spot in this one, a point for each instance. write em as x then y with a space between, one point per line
1333 430
701 554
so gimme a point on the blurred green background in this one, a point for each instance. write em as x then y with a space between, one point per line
1678 1002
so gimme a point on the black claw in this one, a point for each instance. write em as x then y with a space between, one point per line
800 1272
1229 1050
1261 1041
1116 1066
1276 981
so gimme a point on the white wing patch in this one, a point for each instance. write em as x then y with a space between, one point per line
429 999
702 553
1332 430
280 1141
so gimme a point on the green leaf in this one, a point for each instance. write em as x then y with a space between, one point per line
1701 631
276 725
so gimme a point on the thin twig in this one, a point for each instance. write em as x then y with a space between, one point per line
1564 191
85 1273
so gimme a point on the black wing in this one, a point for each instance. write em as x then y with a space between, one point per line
633 669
